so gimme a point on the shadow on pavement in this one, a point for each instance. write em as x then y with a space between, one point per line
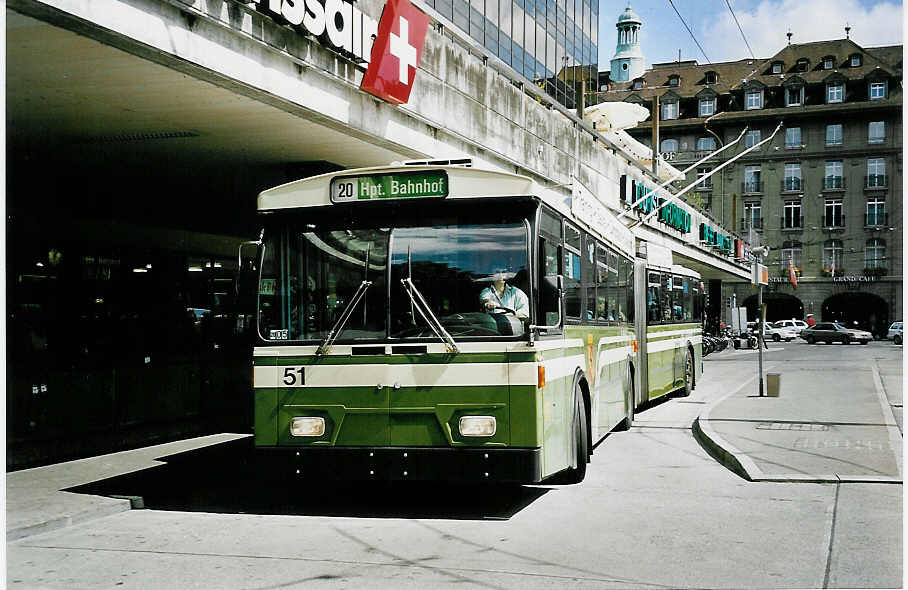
231 478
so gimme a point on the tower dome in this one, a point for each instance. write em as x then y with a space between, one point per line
628 62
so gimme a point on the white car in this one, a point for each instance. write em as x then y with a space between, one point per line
777 333
895 332
792 324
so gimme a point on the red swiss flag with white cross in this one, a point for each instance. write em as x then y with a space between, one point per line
396 52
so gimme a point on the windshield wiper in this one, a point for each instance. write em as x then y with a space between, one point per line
342 321
338 326
417 300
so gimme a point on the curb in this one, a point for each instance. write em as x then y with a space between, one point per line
114 507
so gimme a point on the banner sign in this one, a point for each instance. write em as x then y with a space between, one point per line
396 52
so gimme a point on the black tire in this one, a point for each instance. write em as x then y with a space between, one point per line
897 339
688 374
776 338
581 442
811 340
865 342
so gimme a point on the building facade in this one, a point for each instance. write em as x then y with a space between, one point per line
546 41
825 194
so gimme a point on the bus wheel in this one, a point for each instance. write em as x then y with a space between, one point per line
688 374
581 442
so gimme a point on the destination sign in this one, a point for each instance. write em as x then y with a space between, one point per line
395 185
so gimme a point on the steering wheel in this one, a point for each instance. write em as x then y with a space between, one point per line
506 309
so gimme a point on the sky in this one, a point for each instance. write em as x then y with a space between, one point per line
765 24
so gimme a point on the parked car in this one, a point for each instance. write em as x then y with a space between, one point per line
830 332
895 332
796 325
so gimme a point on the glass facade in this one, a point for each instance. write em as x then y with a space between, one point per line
552 42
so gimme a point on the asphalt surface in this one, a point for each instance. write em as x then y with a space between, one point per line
663 505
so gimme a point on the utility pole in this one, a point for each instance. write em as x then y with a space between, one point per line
656 152
759 276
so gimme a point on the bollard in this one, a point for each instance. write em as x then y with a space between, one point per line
773 381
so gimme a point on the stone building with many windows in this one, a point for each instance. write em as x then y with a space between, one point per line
825 194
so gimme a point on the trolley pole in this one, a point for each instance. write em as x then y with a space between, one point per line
760 332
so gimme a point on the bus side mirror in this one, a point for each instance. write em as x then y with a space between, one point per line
247 268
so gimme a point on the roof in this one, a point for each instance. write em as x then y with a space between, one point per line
733 75
629 16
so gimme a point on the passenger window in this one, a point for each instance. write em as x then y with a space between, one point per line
602 277
677 299
572 276
653 299
589 278
666 298
612 287
629 289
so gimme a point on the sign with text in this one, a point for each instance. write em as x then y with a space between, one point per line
399 185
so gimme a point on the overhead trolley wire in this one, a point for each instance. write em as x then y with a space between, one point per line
727 3
689 31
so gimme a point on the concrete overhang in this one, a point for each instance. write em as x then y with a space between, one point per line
708 264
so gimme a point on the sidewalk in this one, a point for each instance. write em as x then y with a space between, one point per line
827 426
35 502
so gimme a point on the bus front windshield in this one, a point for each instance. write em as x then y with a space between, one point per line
396 281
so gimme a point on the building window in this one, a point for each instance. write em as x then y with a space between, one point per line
668 146
669 110
832 213
855 60
791 181
793 138
791 254
876 172
835 93
876 211
753 100
705 183
875 254
751 138
752 216
706 144
712 77
707 106
794 96
834 134
832 179
674 81
777 67
833 254
876 132
802 65
792 215
877 90
752 182
638 84
828 63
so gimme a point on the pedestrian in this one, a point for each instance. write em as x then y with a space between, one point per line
811 322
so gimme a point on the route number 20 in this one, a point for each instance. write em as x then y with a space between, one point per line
294 376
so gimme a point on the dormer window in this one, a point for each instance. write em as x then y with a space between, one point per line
855 60
712 77
674 81
835 92
828 62
753 99
877 90
669 110
707 106
638 84
776 67
802 65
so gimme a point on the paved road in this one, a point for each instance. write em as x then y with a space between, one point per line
656 510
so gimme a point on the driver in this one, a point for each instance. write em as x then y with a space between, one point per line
500 294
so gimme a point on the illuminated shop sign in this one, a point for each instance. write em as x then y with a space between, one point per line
709 235
670 214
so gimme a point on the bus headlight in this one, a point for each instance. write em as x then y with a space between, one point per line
307 426
477 426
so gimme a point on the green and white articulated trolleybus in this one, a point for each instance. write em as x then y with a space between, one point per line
440 322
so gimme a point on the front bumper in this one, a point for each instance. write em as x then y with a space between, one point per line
408 463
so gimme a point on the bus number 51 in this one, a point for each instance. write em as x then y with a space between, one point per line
294 376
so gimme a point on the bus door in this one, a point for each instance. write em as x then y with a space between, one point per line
640 324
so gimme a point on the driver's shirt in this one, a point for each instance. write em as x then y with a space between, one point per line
512 297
